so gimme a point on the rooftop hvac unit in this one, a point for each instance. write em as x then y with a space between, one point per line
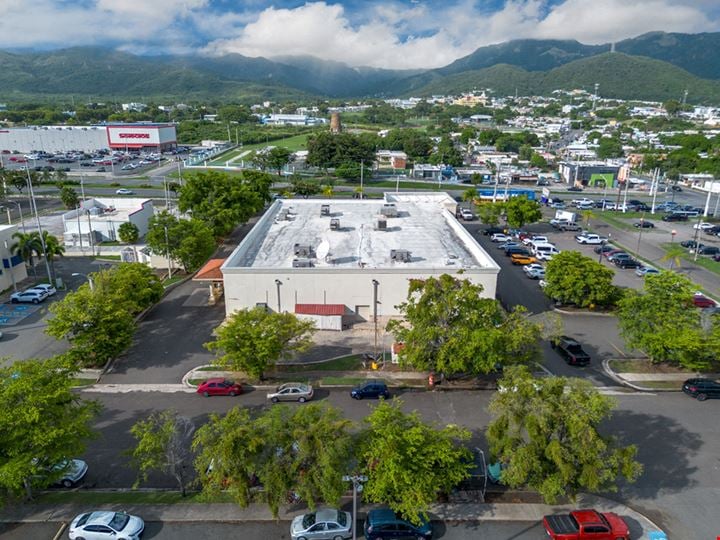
325 210
302 263
381 225
400 255
334 224
389 210
303 250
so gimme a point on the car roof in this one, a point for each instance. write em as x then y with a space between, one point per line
381 515
100 517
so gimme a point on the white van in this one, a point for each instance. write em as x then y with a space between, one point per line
544 249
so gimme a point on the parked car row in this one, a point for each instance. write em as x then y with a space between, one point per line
291 391
33 295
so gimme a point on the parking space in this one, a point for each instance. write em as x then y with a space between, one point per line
12 314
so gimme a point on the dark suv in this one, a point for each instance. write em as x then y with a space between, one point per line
701 389
370 389
571 351
384 523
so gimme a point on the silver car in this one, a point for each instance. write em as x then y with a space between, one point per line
292 392
326 524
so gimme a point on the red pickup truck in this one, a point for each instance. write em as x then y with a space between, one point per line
586 525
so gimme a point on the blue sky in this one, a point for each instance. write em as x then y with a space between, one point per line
389 34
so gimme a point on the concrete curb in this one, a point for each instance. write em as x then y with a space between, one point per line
582 313
624 382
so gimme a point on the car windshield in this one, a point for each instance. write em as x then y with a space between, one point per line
308 521
119 521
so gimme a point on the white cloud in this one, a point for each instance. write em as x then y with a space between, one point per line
453 30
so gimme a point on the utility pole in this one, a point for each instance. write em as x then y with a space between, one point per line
357 482
167 247
362 168
40 231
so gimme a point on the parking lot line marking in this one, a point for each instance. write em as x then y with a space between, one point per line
620 351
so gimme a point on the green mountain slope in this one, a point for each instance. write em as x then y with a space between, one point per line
619 75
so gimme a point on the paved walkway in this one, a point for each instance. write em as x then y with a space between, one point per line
640 526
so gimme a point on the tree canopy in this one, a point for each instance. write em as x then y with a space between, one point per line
546 433
409 463
327 150
573 278
662 321
449 327
520 210
188 241
252 340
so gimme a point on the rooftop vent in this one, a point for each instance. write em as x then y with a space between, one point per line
389 210
334 224
381 225
303 250
400 255
325 210
302 263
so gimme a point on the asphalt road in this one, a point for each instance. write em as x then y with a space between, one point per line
280 530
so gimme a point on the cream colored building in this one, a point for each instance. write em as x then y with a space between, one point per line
12 267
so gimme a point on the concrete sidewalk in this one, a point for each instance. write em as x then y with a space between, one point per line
640 526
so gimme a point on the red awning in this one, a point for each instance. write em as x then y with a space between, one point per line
320 309
211 271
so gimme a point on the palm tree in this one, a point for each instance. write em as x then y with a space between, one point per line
27 246
327 191
53 248
588 215
673 254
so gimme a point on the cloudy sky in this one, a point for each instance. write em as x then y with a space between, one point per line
390 34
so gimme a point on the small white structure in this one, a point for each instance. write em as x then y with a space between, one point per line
12 267
98 220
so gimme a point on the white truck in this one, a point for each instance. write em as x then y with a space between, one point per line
565 221
589 238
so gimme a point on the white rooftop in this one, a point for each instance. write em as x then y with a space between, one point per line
424 226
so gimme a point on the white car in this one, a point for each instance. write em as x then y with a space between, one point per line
103 525
326 524
532 267
124 191
49 289
584 200
646 271
590 239
29 296
538 273
703 226
585 206
500 237
535 240
545 255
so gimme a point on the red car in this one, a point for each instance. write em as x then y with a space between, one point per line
219 387
702 301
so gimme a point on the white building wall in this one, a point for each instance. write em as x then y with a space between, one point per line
10 271
141 218
54 138
245 288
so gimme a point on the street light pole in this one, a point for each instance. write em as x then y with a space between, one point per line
278 283
90 281
357 481
375 283
40 231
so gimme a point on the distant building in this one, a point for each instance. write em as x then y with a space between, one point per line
98 220
391 159
291 120
586 173
12 267
335 124
134 107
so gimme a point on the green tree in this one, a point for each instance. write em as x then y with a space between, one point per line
489 213
128 232
525 152
348 171
305 188
163 444
53 248
409 463
536 160
252 340
610 147
304 450
449 327
674 254
60 176
27 245
69 197
278 157
223 201
546 433
137 283
573 278
662 322
44 422
189 242
469 195
521 210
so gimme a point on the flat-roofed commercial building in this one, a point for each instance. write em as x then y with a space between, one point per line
359 254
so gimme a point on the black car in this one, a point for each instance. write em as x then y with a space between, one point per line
370 389
516 250
674 217
492 230
575 188
627 263
644 225
713 230
676 188
603 248
708 250
571 351
691 244
701 389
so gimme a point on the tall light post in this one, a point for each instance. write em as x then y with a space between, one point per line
642 226
672 236
278 284
357 482
37 219
90 281
167 247
376 284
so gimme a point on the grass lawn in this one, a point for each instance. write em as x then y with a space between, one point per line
703 260
621 365
345 363
77 381
295 143
342 380
94 498
172 280
107 258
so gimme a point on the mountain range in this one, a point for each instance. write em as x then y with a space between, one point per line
654 66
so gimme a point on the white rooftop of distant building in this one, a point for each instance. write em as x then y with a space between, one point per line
108 208
424 226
